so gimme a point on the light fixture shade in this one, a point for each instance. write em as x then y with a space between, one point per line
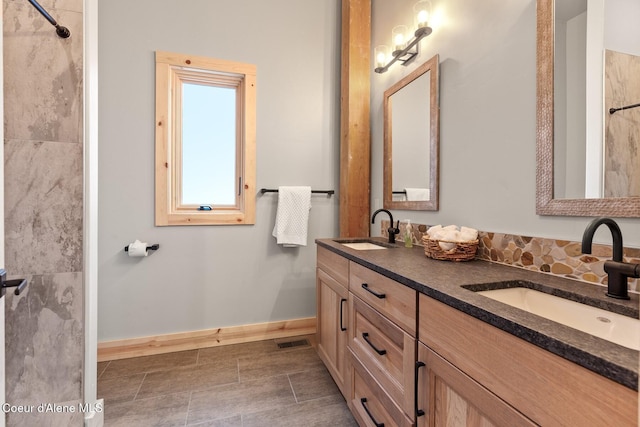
381 55
399 37
422 13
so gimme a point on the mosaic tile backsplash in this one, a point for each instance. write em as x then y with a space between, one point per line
559 257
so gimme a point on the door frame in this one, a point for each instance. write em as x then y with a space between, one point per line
95 416
2 302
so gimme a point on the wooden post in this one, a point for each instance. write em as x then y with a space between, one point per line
355 130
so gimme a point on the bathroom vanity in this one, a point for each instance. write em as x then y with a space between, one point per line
409 342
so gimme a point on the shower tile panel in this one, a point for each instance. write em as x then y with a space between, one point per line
43 207
44 338
44 98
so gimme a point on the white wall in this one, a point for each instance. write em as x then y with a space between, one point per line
487 117
622 33
208 277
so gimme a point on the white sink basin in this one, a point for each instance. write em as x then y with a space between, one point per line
363 246
604 324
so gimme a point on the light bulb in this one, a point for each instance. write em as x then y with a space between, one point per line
422 12
398 35
381 55
399 41
423 18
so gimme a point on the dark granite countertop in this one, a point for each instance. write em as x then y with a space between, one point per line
444 281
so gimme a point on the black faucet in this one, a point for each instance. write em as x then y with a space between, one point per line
392 230
617 270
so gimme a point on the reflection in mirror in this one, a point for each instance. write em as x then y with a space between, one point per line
570 160
622 124
411 134
570 93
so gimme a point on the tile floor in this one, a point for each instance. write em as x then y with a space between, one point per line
252 384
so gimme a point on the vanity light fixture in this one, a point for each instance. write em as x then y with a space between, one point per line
403 45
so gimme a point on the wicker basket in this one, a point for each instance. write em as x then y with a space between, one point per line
463 251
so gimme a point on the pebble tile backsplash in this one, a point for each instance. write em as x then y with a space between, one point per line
559 257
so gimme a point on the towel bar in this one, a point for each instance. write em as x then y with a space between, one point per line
271 190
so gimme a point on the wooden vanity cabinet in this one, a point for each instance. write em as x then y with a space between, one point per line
382 348
332 314
492 370
468 372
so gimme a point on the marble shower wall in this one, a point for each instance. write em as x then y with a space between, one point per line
622 129
43 209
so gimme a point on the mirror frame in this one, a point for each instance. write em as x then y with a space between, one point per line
432 65
545 202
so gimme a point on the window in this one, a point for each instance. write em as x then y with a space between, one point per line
205 141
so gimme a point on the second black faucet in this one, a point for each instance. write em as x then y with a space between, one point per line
617 270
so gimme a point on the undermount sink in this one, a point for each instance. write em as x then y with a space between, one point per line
613 327
364 245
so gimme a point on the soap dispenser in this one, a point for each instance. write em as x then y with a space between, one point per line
408 235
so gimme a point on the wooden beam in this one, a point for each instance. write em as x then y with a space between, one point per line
355 130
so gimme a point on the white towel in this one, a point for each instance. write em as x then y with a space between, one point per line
417 194
292 216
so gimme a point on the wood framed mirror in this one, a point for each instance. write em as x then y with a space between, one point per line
549 200
411 140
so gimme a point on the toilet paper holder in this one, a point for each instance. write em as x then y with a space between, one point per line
153 247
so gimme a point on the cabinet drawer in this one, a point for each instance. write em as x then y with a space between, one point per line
394 300
370 404
385 350
334 265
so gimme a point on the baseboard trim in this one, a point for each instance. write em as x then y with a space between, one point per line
147 346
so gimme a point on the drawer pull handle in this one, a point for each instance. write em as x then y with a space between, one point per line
365 335
363 401
419 412
342 301
365 286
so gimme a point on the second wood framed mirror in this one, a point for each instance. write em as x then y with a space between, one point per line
572 172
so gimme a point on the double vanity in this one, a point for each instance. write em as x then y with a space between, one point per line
414 341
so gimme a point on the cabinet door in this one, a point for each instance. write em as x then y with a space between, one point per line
332 321
448 397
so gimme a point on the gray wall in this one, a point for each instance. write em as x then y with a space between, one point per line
43 210
206 277
487 118
216 276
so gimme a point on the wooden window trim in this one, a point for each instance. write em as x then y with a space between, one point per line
169 68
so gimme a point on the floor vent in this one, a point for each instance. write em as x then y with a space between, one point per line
289 344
